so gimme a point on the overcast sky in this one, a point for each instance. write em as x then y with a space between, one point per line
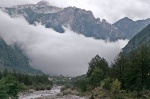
111 10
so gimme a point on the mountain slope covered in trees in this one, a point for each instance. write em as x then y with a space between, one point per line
142 38
14 60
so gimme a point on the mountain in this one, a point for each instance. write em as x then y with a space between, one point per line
130 27
13 60
142 38
78 20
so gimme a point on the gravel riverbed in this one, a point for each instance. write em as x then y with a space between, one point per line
48 94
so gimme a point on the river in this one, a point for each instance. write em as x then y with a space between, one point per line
48 94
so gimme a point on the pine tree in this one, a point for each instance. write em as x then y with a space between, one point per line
98 69
118 68
97 62
138 69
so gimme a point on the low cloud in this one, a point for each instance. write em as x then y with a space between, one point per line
55 53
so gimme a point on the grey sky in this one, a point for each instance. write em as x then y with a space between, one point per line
111 10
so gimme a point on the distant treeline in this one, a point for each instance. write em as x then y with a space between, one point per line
12 82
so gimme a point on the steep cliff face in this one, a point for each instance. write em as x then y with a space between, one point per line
79 20
14 60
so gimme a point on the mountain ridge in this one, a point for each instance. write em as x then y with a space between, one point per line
130 27
79 20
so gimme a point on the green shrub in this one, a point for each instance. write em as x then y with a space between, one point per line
106 84
115 87
66 86
48 87
9 87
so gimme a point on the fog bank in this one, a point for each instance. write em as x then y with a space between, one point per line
55 53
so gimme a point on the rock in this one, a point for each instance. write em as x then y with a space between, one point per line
79 20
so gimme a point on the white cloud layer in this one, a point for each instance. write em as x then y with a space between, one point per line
55 53
111 10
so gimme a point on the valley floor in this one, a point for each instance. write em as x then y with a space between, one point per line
48 94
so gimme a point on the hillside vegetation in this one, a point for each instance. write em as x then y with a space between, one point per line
12 59
11 83
127 78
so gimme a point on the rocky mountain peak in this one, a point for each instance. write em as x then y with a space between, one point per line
125 20
42 4
103 20
76 13
130 27
78 10
79 20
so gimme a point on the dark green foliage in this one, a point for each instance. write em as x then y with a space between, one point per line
12 83
129 72
118 68
96 76
106 83
48 87
33 80
97 71
133 73
138 69
115 86
99 63
1 75
9 87
27 81
82 84
5 72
